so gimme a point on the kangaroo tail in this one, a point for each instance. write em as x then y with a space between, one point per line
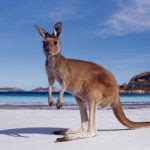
118 111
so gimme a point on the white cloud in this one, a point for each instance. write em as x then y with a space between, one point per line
132 17
66 10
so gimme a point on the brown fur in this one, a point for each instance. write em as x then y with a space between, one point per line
90 83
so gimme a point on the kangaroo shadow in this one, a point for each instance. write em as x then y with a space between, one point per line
17 132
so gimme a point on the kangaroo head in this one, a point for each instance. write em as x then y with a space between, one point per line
51 42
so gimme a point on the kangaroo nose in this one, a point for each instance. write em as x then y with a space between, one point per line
46 49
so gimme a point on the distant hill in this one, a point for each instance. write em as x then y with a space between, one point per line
15 89
11 89
41 89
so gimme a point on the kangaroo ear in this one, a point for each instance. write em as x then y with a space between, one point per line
42 32
57 29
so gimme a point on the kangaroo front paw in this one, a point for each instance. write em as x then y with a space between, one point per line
51 103
58 105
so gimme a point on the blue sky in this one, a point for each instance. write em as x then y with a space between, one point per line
114 33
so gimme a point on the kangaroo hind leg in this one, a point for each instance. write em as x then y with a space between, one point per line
91 130
84 120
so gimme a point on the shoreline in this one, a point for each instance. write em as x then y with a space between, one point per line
66 108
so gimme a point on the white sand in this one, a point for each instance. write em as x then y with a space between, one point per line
32 130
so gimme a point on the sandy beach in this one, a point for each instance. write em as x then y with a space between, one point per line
32 130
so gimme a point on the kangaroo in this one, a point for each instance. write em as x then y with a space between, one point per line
90 83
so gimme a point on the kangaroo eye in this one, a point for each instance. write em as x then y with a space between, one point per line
55 42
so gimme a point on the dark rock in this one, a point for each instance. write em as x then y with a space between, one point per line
123 86
140 82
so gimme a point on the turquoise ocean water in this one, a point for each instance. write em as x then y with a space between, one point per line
40 99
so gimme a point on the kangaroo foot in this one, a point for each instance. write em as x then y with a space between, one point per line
62 139
77 136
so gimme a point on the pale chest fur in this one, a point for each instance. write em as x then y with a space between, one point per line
60 73
52 70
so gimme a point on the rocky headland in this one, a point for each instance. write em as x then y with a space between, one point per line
139 84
